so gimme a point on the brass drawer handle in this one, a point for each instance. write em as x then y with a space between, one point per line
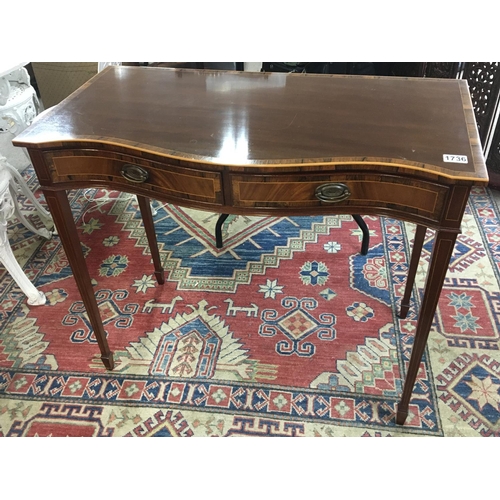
134 173
332 193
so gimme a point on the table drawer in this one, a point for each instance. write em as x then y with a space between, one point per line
299 191
132 173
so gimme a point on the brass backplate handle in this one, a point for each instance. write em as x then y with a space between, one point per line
134 173
332 193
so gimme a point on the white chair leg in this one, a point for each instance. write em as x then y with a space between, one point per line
10 182
44 232
35 297
18 185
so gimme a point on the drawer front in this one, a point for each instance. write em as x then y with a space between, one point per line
339 190
173 182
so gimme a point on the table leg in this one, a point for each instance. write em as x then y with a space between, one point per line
60 209
147 219
218 230
444 243
366 233
418 243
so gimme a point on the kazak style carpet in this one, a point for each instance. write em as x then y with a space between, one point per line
285 331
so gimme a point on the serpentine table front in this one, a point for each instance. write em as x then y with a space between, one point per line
266 144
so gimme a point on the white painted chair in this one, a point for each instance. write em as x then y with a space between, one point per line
18 101
18 108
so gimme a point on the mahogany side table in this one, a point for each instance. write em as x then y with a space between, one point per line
267 144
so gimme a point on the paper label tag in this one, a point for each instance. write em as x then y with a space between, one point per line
455 159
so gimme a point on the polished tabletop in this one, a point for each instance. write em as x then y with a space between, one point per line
242 118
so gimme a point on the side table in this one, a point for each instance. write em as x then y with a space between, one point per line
266 144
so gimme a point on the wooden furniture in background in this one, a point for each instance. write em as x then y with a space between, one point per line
57 80
266 144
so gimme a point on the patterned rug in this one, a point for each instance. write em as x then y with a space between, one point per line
285 331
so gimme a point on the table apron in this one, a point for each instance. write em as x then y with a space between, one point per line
219 189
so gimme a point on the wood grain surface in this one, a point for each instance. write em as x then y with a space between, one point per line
275 119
